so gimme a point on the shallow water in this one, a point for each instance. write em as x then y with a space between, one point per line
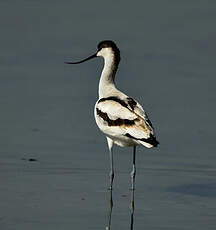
54 160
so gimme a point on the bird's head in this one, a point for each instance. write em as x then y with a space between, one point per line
105 49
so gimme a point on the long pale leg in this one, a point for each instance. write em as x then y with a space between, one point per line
111 174
133 172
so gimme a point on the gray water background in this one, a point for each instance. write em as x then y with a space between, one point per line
168 64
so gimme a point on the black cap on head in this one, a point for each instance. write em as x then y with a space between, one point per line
110 44
107 44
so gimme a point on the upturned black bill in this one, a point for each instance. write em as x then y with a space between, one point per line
86 59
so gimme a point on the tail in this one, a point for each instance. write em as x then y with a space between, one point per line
151 140
147 142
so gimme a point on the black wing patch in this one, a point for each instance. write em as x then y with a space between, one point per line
116 99
117 122
151 140
131 102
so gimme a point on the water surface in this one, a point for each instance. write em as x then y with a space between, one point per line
168 65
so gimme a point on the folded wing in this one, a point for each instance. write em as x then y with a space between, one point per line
128 118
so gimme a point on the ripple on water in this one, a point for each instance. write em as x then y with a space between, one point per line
204 190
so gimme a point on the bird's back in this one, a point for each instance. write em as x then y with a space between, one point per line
123 120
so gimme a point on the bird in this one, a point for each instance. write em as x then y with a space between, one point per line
120 117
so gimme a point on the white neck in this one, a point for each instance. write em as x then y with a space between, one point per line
106 84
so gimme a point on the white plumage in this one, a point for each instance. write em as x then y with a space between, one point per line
127 122
121 118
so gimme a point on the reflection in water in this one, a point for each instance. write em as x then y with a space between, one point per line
132 209
108 227
110 210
